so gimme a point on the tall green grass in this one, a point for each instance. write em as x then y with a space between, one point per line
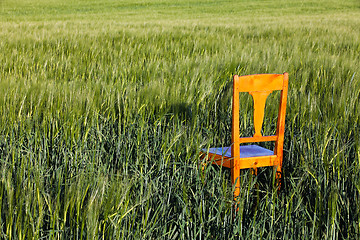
105 105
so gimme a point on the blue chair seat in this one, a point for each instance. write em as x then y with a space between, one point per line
245 151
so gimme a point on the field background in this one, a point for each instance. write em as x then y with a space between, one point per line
105 105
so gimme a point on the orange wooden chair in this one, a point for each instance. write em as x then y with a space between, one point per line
238 157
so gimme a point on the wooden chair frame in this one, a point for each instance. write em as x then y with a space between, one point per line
259 87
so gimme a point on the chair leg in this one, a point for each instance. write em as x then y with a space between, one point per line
278 176
254 172
202 163
235 179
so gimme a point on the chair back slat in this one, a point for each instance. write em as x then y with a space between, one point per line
259 107
271 138
259 82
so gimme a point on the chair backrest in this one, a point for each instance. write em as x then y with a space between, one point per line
259 87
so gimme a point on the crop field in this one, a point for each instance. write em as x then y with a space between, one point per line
105 106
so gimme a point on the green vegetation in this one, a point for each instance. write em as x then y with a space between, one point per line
105 105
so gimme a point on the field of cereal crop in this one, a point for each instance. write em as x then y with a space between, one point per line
105 105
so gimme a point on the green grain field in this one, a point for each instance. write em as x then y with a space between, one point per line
105 105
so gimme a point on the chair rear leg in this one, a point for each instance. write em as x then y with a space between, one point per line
278 176
235 179
254 171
